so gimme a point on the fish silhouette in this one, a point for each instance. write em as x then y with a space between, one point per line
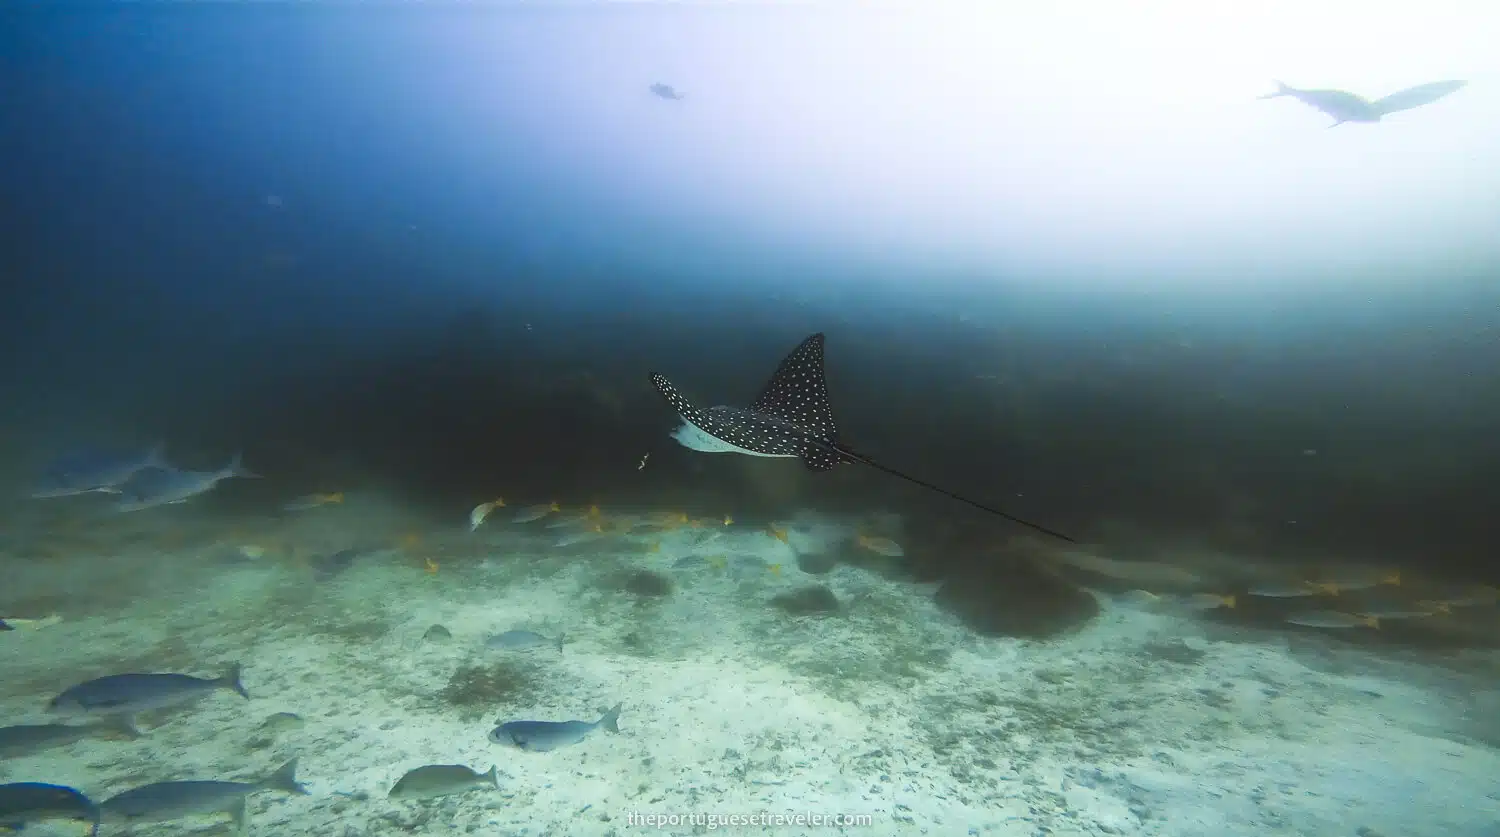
1344 106
666 91
792 418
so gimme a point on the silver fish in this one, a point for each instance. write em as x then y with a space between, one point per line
522 641
1333 619
574 538
166 801
1397 613
163 486
1284 590
436 780
82 472
23 803
126 694
540 736
531 513
26 739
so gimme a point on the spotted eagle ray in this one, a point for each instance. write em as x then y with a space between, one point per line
1344 106
791 418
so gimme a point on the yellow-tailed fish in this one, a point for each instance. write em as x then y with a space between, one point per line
1337 581
1397 613
1333 619
531 513
312 501
587 534
882 546
481 511
1284 590
431 566
728 520
1207 601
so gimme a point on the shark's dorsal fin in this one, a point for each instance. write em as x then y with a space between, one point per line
798 392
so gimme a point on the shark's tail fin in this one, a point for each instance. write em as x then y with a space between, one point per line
1281 90
156 457
843 454
236 468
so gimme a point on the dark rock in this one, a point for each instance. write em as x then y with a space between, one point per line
817 564
437 633
480 688
814 600
648 583
1008 595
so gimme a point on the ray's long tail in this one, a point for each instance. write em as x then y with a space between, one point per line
865 460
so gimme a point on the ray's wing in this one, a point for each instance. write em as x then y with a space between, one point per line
798 392
752 431
683 407
1415 97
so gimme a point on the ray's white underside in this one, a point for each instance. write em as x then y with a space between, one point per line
692 437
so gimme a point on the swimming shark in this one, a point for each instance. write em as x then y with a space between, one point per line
792 418
89 471
165 486
1344 106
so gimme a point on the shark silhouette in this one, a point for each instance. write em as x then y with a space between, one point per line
792 418
1344 106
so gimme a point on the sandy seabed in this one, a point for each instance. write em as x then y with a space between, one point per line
890 711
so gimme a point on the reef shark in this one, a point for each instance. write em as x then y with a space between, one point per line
1344 106
792 418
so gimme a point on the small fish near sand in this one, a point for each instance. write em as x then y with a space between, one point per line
523 641
333 564
541 736
272 728
128 694
311 501
154 487
880 546
592 533
28 739
1333 619
88 471
1284 590
167 801
482 511
27 803
1191 602
12 622
531 514
435 780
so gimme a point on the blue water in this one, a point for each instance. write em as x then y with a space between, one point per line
425 256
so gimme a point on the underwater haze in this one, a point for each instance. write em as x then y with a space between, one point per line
1077 419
